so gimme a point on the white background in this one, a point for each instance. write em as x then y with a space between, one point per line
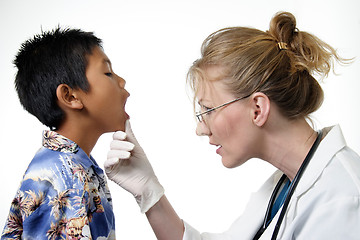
152 44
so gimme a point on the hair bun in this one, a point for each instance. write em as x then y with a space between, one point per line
283 27
306 51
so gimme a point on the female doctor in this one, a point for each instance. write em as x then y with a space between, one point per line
255 91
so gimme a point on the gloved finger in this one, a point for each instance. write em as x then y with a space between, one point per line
121 145
119 135
119 154
110 162
129 133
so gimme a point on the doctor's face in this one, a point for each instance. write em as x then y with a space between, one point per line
230 127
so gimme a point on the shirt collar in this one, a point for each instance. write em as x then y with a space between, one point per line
54 141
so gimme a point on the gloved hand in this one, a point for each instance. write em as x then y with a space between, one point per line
128 166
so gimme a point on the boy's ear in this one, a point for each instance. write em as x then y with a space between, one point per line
68 97
260 108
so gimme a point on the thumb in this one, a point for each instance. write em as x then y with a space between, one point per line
129 133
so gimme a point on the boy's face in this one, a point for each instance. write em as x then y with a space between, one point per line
106 98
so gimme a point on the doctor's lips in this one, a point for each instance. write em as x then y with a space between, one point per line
218 147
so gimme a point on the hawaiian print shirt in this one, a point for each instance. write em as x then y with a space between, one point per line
63 195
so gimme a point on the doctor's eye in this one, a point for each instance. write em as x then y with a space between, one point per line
205 108
109 74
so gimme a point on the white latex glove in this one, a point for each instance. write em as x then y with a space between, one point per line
128 166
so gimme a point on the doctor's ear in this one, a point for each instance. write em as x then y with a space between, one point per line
260 108
68 97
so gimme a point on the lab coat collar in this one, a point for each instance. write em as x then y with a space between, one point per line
332 143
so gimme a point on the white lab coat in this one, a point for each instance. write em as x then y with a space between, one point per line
325 204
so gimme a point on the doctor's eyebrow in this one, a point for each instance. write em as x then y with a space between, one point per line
201 102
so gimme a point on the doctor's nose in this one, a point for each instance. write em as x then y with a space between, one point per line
202 129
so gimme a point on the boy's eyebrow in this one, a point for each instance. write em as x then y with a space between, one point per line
106 60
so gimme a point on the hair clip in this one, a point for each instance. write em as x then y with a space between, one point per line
282 45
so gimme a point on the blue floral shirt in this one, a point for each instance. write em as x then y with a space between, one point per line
63 195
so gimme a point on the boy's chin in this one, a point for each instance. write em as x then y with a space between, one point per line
120 127
122 124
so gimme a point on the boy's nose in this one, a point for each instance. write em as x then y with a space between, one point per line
202 129
122 84
121 81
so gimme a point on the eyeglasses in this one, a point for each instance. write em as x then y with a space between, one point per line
199 115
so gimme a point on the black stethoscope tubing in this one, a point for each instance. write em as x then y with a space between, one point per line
290 193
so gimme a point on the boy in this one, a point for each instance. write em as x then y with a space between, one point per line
65 79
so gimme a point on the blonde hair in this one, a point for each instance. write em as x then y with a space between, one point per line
279 63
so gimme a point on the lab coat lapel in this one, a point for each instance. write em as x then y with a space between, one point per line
329 146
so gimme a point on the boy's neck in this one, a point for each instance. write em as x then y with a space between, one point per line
86 140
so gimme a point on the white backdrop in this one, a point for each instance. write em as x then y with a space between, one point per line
151 45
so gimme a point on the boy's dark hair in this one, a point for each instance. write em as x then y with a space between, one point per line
48 60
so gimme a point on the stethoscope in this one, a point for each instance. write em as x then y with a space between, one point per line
289 194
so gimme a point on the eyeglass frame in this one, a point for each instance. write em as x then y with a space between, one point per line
199 115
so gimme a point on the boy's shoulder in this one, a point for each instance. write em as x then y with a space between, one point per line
59 162
52 169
